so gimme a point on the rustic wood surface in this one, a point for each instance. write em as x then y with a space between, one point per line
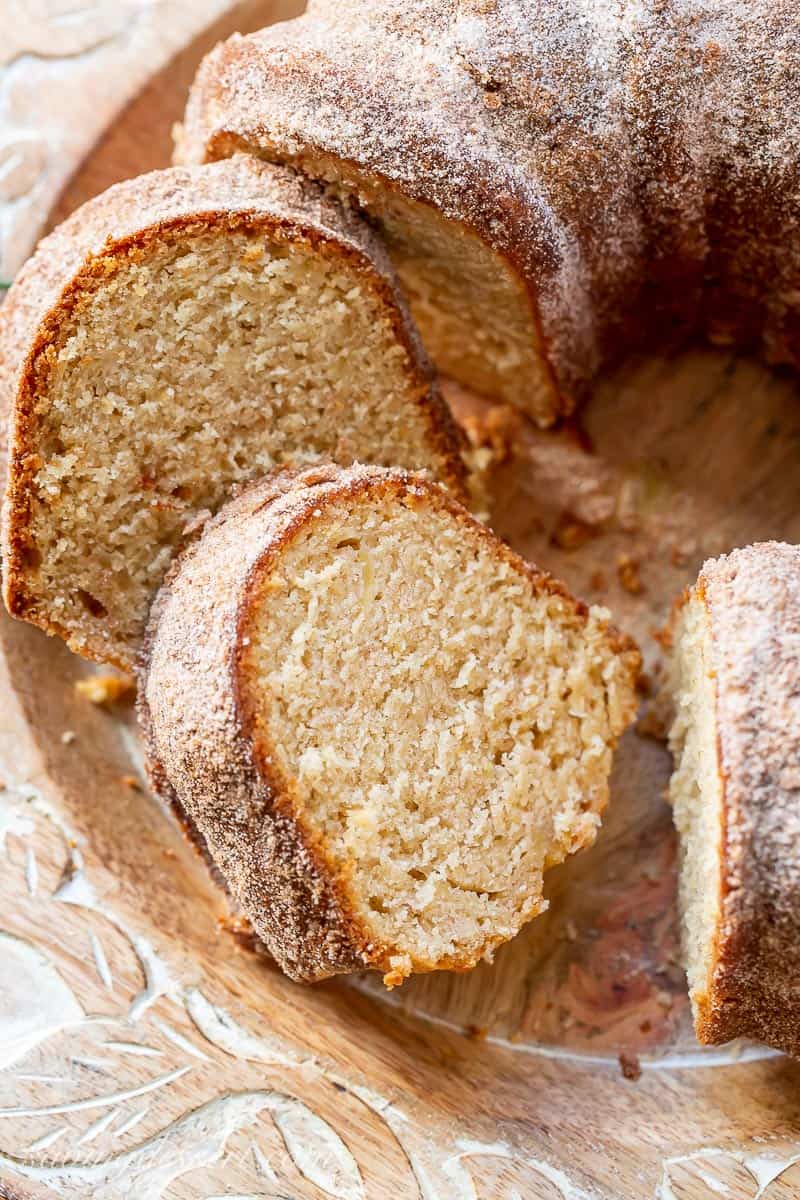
145 1053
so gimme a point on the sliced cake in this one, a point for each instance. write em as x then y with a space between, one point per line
184 332
380 723
736 793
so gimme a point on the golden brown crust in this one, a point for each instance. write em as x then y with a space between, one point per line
198 709
752 597
636 165
121 226
198 753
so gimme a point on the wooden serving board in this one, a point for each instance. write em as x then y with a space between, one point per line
145 1053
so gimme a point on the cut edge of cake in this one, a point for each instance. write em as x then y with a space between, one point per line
245 796
129 416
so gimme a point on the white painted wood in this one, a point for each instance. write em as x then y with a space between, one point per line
67 67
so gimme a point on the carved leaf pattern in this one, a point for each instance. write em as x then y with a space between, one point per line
756 1174
22 160
317 1150
53 55
27 972
55 30
105 1140
196 1140
91 1143
61 28
500 1178
786 1186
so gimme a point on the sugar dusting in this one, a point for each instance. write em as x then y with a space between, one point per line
608 149
752 598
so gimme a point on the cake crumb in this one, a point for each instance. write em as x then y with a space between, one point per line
478 1032
105 689
663 636
629 574
652 724
399 970
499 429
571 533
68 737
130 781
630 1065
197 522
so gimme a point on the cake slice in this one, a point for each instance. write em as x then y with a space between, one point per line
736 794
380 723
184 332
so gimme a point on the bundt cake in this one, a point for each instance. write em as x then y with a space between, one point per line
380 723
556 180
736 793
182 333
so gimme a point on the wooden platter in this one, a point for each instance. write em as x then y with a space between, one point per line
145 1053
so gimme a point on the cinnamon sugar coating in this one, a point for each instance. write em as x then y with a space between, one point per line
379 723
636 162
181 333
751 599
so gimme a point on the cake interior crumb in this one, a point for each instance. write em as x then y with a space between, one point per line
696 792
201 362
445 728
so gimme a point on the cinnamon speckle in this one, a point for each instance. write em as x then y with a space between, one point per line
630 1065
571 533
105 689
628 572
